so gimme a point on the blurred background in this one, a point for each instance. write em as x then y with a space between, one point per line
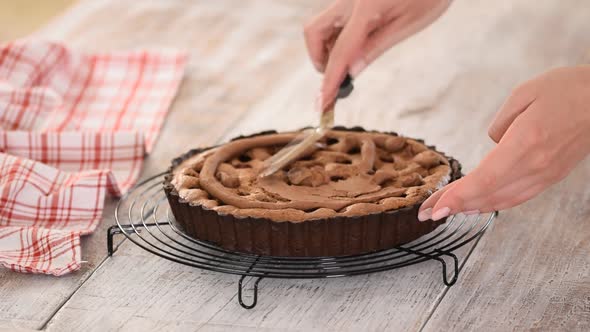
18 18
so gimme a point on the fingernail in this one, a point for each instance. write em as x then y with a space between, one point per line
441 213
318 104
425 214
357 68
318 66
468 213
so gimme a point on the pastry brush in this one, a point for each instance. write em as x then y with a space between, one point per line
308 138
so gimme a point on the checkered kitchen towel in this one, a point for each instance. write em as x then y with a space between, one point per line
72 127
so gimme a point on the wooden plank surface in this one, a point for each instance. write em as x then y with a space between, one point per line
29 300
209 102
532 272
248 72
453 109
94 307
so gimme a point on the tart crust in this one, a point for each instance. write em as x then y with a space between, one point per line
296 228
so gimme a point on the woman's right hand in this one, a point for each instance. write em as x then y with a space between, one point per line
351 34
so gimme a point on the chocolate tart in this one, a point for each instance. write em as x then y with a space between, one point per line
359 191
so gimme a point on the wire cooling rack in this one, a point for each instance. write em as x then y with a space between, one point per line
144 217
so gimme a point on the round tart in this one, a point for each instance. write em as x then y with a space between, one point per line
357 191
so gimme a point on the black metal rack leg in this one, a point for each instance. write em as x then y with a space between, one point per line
120 229
446 280
110 234
254 293
444 267
254 290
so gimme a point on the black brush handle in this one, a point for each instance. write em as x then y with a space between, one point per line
346 87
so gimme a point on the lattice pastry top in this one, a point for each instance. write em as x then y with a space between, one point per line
353 173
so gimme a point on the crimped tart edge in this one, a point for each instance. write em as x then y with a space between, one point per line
263 235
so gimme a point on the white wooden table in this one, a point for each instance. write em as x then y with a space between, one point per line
248 72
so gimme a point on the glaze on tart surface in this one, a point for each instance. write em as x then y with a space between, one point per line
354 173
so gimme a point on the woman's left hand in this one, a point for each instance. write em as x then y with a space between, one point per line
542 131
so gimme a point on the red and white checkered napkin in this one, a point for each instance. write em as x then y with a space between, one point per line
72 127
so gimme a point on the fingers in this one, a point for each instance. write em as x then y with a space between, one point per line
378 42
518 101
369 29
516 170
314 41
397 29
506 197
322 29
469 189
346 48
468 195
476 191
512 198
425 212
